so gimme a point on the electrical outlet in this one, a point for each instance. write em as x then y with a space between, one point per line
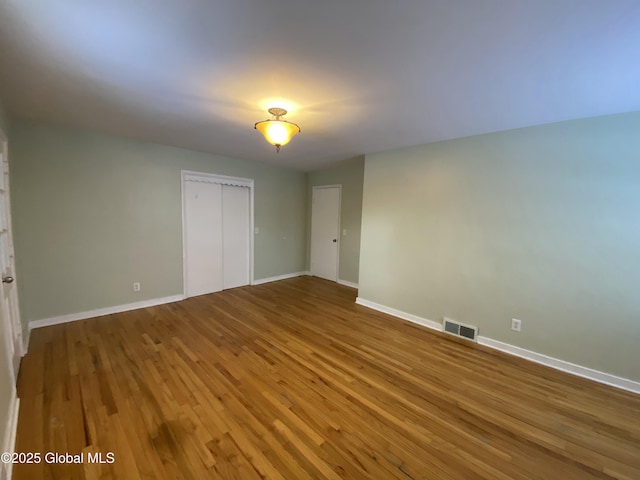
516 325
136 286
257 230
344 232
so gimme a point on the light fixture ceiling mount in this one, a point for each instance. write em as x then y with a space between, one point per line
276 131
277 112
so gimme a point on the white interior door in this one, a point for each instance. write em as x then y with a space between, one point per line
235 236
203 237
325 229
9 311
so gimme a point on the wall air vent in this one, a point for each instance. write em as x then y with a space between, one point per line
460 330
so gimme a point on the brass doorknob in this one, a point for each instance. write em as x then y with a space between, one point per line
7 279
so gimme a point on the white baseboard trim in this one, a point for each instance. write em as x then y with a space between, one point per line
26 340
579 370
346 283
568 367
46 322
279 277
400 314
9 441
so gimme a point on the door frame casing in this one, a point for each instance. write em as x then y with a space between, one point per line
339 220
223 180
15 349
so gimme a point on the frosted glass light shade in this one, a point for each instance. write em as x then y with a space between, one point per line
277 132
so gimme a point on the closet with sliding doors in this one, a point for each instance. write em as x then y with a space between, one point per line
217 222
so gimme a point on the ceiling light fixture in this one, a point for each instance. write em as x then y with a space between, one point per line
276 131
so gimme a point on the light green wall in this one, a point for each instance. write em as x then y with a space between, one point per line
94 213
540 224
7 390
349 174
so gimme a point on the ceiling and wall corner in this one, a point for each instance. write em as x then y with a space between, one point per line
357 76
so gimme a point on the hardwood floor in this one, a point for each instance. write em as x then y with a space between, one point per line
292 380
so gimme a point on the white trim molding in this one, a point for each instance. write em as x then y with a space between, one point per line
9 441
572 368
400 314
568 367
72 317
279 277
346 283
26 338
205 177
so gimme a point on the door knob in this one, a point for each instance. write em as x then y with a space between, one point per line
7 279
335 240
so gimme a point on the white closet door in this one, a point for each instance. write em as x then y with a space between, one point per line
203 237
235 236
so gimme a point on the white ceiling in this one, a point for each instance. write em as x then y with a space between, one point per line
358 76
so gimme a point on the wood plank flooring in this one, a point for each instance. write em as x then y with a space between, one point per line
292 380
